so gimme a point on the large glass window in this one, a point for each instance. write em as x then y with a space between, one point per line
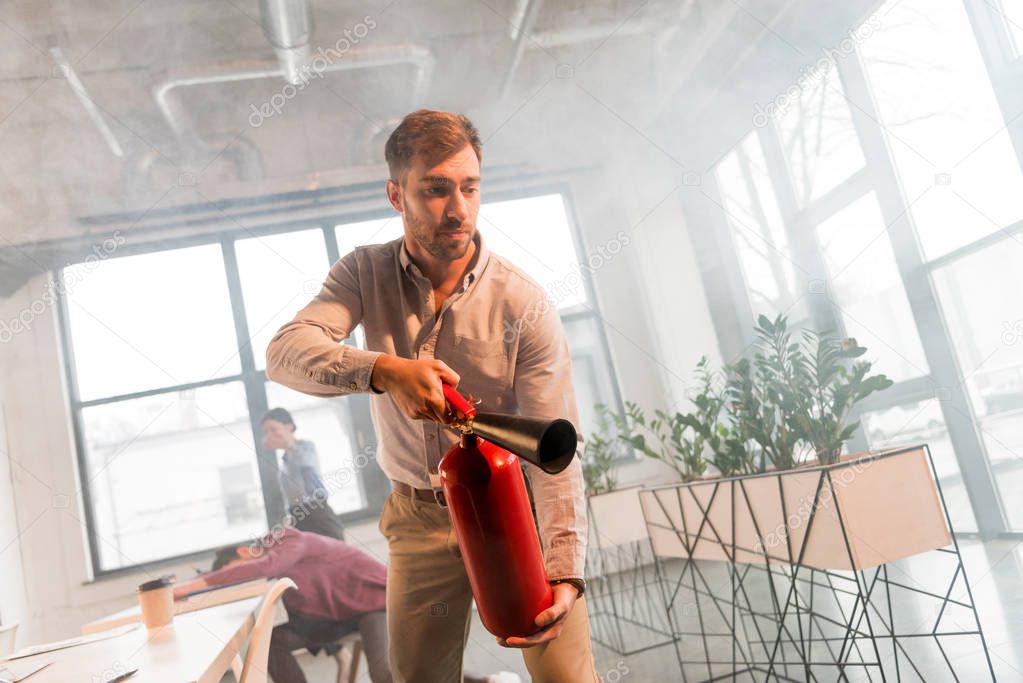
867 289
758 232
818 136
535 235
149 321
171 473
924 422
980 297
1012 15
279 275
946 133
168 399
933 118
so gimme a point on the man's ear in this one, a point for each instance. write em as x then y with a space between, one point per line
394 196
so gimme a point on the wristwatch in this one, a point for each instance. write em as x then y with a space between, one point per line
579 584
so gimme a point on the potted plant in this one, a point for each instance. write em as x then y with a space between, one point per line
776 432
615 513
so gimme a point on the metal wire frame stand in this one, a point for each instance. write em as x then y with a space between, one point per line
626 614
852 636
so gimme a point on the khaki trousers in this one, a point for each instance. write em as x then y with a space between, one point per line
429 602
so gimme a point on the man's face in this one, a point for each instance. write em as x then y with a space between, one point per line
439 204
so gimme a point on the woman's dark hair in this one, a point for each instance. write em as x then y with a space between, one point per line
224 556
279 415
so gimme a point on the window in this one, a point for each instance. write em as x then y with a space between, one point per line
980 297
136 321
279 275
934 119
943 125
166 366
1012 15
867 289
758 232
153 468
514 229
818 137
924 422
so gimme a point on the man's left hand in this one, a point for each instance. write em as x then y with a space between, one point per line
550 621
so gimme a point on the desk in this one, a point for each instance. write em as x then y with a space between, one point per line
196 648
211 598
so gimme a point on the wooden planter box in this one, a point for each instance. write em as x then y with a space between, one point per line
865 511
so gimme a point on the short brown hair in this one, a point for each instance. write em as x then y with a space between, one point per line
435 135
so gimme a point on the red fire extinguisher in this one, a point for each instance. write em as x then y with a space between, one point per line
490 512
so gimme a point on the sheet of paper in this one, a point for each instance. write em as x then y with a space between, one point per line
12 672
70 642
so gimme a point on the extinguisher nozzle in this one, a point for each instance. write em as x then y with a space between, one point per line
548 444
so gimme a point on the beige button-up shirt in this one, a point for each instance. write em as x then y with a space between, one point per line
496 331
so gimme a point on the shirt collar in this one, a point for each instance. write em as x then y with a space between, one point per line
481 257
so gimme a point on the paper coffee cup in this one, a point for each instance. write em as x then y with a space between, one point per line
156 599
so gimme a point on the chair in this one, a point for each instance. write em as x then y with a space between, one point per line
8 634
348 657
254 668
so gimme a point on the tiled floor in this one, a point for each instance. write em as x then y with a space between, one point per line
995 571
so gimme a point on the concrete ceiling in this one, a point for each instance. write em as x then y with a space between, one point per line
618 72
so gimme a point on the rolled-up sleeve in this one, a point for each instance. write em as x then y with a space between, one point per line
543 388
306 354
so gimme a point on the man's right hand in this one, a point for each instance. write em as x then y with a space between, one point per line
415 385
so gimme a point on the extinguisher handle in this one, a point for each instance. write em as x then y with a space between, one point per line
458 402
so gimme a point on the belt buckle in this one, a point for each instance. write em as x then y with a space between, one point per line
438 490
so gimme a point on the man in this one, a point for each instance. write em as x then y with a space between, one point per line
436 306
340 590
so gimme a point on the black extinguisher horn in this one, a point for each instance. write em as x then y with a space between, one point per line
548 444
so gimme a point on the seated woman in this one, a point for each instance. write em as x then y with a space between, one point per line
341 589
300 477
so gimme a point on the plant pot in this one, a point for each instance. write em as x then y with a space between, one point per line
864 511
616 518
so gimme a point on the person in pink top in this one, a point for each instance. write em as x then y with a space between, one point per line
341 589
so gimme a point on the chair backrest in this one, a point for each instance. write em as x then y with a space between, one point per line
8 634
254 669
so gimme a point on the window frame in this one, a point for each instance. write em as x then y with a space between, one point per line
375 485
729 299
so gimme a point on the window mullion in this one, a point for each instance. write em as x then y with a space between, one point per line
255 389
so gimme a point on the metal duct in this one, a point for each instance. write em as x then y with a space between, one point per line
179 120
288 25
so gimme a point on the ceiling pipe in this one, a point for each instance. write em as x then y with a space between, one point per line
78 88
180 121
288 25
521 31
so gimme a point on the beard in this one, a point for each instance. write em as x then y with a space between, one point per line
434 243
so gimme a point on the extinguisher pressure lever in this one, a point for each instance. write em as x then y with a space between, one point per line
459 404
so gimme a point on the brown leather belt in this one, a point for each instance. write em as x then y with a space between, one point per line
425 495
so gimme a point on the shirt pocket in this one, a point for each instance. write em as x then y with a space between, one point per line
483 368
